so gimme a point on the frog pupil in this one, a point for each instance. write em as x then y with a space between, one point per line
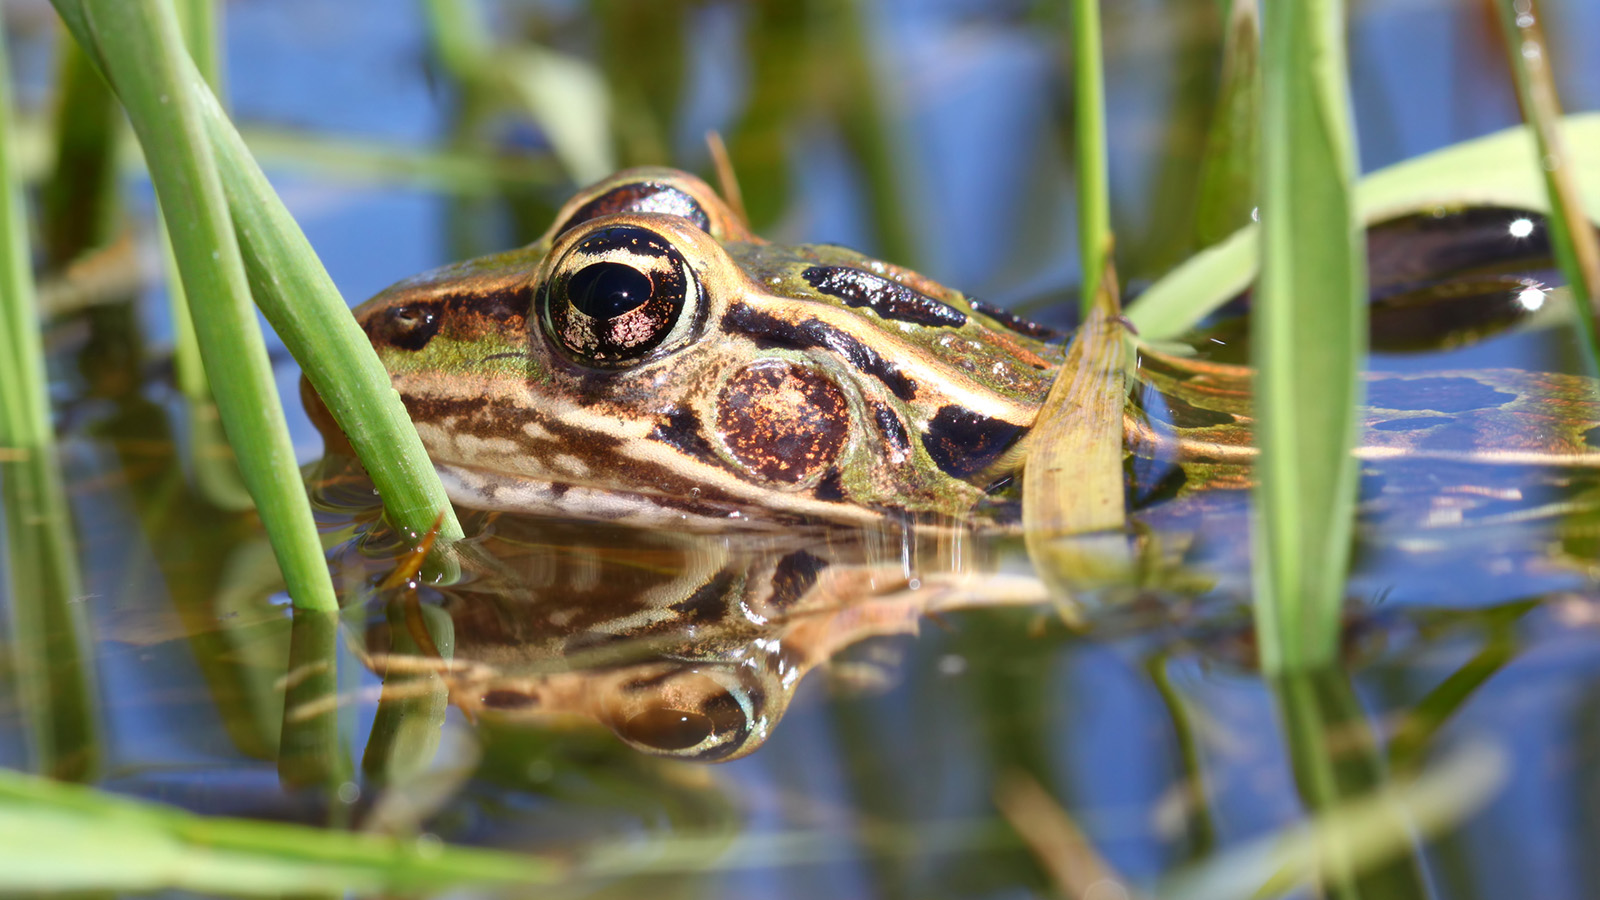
606 290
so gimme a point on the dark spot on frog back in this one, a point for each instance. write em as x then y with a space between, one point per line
1014 322
963 443
889 299
1440 394
771 331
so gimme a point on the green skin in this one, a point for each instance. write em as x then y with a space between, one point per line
774 395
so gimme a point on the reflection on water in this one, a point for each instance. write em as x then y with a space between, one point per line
685 645
501 698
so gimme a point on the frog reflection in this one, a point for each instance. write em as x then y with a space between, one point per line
683 645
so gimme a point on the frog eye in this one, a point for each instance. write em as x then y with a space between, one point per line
617 295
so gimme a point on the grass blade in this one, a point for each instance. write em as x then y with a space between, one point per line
53 672
1089 130
141 52
78 203
1072 483
299 299
45 829
1577 250
1370 830
1308 337
24 406
1227 190
1501 169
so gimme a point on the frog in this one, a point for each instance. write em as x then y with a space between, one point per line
650 360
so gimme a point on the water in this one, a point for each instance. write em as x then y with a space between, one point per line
1471 619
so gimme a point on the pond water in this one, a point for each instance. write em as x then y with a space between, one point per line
892 712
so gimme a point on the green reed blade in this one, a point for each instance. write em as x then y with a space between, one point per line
1308 337
311 750
778 44
57 838
50 653
1227 191
299 299
1501 169
24 405
139 48
1089 163
1577 250
1368 831
841 43
197 21
354 161
565 95
52 669
644 53
78 202
410 717
1072 483
1333 752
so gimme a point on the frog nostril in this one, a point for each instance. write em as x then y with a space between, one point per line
409 326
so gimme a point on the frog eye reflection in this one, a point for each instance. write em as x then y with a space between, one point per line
617 295
707 714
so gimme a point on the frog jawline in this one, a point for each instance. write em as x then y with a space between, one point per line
505 492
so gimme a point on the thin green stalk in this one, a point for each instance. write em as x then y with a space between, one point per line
1577 250
1335 759
410 717
295 293
53 672
1089 128
200 22
140 50
865 121
298 297
310 749
1227 181
24 405
60 838
78 202
197 20
564 95
1308 336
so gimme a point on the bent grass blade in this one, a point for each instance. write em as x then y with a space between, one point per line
1501 169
